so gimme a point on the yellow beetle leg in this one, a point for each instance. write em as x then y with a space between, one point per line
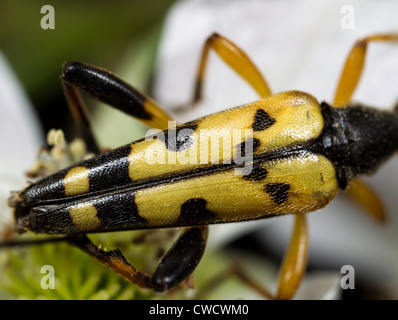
367 198
232 55
295 260
292 268
347 84
353 67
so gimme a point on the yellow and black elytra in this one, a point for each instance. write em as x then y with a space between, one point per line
298 153
119 190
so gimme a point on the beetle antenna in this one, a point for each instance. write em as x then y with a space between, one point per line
16 243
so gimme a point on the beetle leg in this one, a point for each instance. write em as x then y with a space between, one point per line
181 260
293 264
80 115
176 266
295 260
353 67
232 55
112 90
347 84
367 198
113 259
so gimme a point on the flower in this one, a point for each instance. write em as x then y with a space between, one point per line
20 137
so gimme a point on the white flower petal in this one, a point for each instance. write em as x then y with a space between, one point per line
320 285
20 136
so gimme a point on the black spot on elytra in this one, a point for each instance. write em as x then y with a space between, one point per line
194 212
110 169
262 120
251 144
47 219
257 173
179 138
119 211
278 192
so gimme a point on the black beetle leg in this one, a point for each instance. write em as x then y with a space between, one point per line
110 89
177 265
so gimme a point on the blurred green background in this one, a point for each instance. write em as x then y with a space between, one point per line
120 36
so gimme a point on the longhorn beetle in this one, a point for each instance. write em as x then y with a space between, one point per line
300 152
